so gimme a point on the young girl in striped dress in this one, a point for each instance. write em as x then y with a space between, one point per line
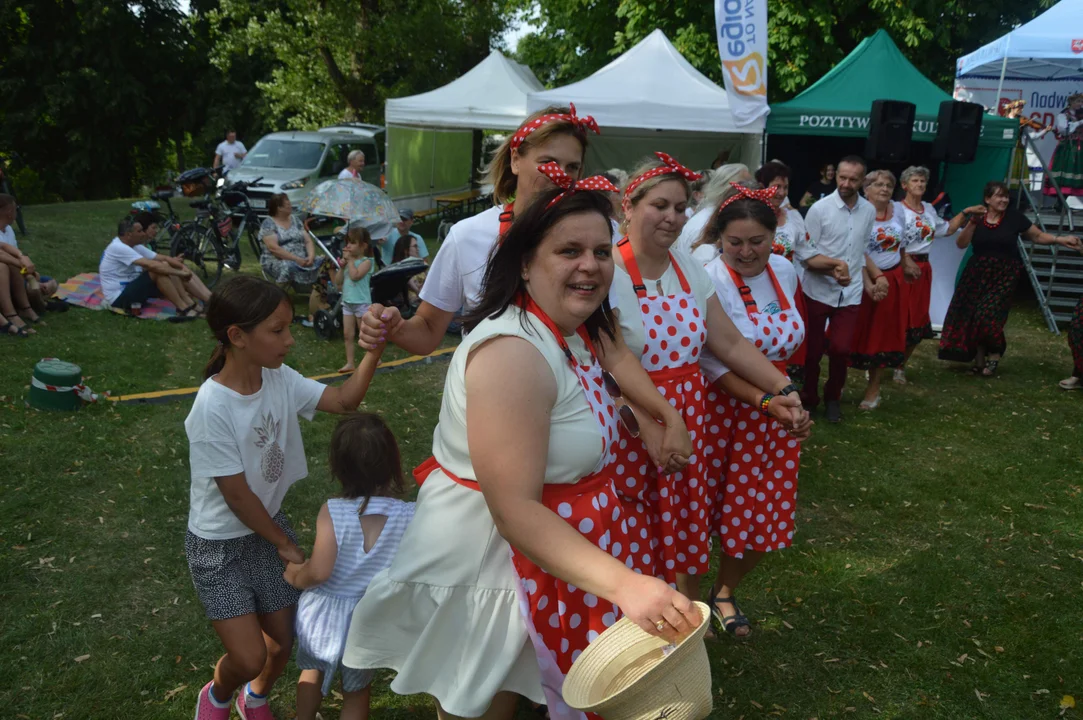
357 535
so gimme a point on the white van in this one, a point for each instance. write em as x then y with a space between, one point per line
295 162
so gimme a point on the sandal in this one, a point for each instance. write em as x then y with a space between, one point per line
729 623
33 320
990 368
21 330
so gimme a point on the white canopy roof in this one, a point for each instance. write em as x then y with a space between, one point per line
1049 47
492 95
651 87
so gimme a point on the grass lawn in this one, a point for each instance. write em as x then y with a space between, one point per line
938 570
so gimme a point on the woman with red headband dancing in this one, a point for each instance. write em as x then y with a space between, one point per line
523 454
668 314
754 510
453 284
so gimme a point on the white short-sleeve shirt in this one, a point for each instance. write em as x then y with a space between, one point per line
920 229
835 230
622 296
117 267
7 236
257 434
228 152
693 229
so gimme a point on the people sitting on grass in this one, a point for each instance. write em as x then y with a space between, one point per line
245 451
193 286
401 230
23 291
131 273
357 534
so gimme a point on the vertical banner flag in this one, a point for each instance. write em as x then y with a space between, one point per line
742 43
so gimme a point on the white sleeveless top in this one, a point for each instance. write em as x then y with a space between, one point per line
575 439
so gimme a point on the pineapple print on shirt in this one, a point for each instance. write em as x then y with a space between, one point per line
273 460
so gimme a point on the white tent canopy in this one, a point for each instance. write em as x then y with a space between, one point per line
492 95
1049 47
651 87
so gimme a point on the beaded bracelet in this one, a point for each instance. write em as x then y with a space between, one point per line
766 402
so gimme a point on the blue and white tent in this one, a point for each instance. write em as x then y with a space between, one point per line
1049 47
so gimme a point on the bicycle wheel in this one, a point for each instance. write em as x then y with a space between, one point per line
201 250
252 230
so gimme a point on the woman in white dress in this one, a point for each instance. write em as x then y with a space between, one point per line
791 225
523 454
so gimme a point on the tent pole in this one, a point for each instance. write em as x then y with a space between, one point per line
432 172
1000 85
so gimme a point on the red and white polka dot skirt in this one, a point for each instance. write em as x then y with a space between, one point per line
755 509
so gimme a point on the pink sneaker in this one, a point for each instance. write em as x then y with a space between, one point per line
263 712
206 710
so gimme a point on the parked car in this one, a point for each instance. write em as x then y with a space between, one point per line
295 162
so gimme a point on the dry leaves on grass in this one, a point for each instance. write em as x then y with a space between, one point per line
81 658
174 692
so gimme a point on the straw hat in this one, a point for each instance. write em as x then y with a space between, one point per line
625 675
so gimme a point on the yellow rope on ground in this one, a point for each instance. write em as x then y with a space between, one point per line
390 364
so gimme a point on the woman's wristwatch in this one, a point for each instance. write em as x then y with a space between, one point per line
791 388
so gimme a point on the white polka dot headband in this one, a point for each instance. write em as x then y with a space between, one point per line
561 179
670 166
584 124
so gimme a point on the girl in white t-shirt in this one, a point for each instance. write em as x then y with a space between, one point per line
245 452
357 535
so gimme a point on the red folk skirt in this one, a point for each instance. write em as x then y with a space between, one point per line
918 324
880 339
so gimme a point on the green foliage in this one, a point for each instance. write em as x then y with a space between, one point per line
336 60
806 38
31 187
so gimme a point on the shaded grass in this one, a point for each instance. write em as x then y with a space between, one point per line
937 571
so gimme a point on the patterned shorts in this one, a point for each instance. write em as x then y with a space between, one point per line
353 680
239 576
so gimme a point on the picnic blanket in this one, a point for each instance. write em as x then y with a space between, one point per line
85 290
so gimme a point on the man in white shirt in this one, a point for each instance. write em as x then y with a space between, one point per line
401 229
133 273
355 163
229 152
832 254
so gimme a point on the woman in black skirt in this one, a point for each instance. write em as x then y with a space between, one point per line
974 326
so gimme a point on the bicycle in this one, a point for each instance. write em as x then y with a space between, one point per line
212 241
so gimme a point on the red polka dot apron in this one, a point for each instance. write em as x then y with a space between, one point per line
676 506
755 511
560 618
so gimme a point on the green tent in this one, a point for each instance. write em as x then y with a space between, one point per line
838 105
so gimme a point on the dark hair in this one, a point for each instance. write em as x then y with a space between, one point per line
274 203
825 166
6 201
125 225
994 187
853 160
365 458
741 209
504 284
402 248
770 171
611 178
359 234
146 218
243 302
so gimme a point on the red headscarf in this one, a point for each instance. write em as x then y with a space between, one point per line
561 179
584 124
669 166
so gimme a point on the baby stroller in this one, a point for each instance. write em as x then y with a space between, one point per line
388 286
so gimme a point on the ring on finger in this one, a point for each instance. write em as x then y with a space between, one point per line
660 625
